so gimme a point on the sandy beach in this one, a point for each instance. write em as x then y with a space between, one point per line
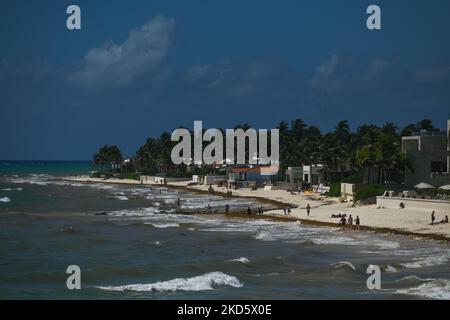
401 221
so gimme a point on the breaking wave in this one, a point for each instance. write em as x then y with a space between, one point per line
164 225
204 282
242 260
434 289
123 198
5 199
12 189
343 264
429 261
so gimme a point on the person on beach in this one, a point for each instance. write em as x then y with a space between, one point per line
308 209
178 202
357 222
289 211
284 209
446 219
350 222
249 211
260 211
342 222
433 217
227 208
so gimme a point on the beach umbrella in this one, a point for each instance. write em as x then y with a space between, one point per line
424 185
446 187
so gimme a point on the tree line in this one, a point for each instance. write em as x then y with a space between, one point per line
371 154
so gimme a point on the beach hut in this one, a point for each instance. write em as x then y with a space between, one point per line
423 186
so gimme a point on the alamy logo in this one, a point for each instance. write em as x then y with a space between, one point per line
73 21
374 20
214 151
74 280
374 280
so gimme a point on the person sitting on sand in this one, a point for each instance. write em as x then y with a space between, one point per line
308 209
338 215
433 217
357 222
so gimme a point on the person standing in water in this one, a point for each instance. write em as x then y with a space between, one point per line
249 211
350 222
357 222
260 211
308 209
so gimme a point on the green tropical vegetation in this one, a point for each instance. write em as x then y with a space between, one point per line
108 159
371 154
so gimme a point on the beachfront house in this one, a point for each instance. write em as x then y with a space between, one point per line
252 175
312 174
429 153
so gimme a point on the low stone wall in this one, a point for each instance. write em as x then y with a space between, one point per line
428 205
281 185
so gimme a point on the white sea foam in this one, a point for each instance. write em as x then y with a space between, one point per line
123 198
414 278
5 199
12 189
242 260
429 261
204 282
343 264
366 241
435 289
390 269
164 225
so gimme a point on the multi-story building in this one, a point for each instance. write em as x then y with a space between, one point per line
429 153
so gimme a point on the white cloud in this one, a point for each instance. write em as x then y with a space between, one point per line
144 52
326 75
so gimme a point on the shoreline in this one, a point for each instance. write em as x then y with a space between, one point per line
404 222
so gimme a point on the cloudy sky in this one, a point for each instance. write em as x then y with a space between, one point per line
138 68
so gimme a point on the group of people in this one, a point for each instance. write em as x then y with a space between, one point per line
344 222
433 219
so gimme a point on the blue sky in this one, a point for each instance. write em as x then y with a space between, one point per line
138 68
